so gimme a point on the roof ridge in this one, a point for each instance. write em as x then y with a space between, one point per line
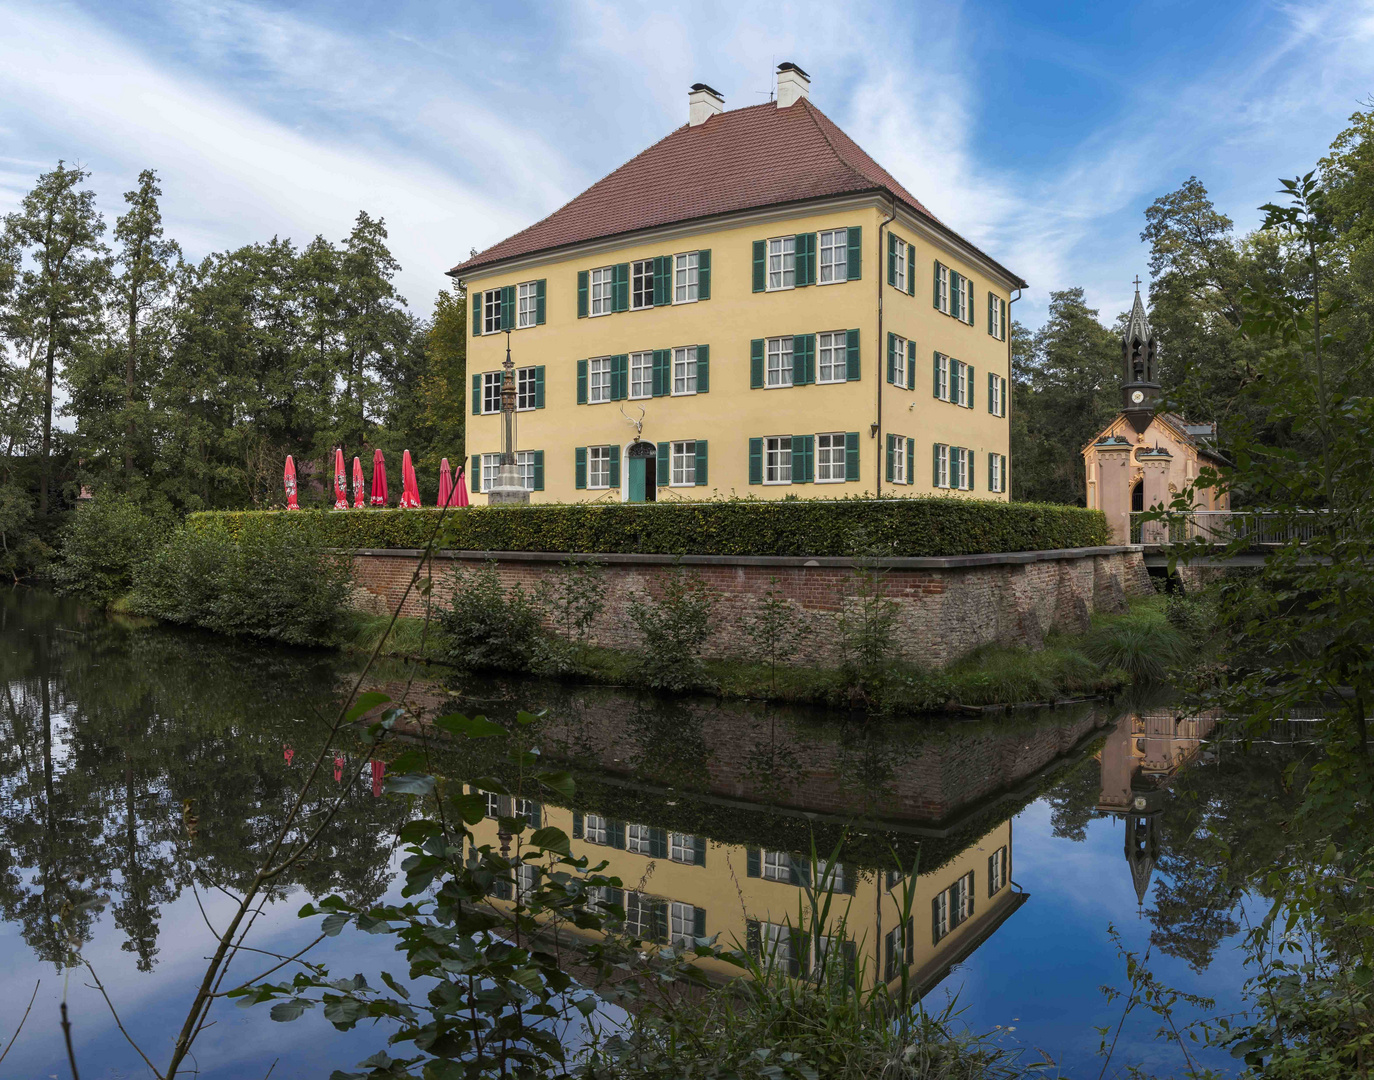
811 111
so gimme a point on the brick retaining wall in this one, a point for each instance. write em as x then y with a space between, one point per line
946 607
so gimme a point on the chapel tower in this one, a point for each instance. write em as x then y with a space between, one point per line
1139 360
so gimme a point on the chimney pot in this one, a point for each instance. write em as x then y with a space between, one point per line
793 84
703 103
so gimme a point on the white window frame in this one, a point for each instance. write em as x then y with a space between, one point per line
775 945
524 466
784 250
779 348
835 344
685 277
835 243
942 277
596 829
971 316
526 304
641 375
899 361
773 449
491 470
493 802
775 865
601 291
684 361
961 892
682 847
641 271
997 391
682 458
898 254
637 839
964 457
1000 307
941 920
491 391
526 388
942 363
598 378
491 311
998 477
997 870
639 915
682 923
962 369
901 468
942 452
598 467
526 878
834 443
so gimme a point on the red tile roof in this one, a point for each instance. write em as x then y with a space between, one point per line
739 160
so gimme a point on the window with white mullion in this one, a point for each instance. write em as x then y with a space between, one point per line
834 256
599 379
642 284
595 828
684 463
526 385
641 374
900 465
682 923
491 470
491 311
782 262
941 925
832 354
777 459
942 287
995 472
682 847
637 839
899 266
830 458
491 392
997 870
598 466
775 865
685 277
524 466
898 346
941 465
775 944
779 362
685 370
942 383
602 290
526 304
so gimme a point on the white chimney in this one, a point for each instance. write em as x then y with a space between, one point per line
793 84
703 103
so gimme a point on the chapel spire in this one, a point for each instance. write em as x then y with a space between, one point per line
1139 354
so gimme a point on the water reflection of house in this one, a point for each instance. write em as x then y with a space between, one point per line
679 886
1142 752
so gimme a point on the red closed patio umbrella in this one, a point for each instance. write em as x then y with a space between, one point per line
460 488
410 487
340 481
445 483
359 495
289 482
378 478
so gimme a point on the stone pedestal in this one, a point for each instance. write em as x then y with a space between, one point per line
508 491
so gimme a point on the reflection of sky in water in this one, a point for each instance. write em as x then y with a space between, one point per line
1042 970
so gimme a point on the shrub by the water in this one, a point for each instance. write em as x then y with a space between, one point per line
672 630
106 540
490 627
271 582
1143 644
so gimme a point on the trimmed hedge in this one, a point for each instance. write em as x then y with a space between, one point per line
916 526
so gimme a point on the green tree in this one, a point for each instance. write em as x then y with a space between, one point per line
375 327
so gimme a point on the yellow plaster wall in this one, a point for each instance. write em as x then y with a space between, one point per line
731 412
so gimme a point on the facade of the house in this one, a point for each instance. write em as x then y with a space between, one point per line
752 306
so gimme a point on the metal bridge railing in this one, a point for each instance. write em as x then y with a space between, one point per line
1224 526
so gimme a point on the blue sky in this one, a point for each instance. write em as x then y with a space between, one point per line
1040 131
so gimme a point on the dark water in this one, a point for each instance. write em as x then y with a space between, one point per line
143 769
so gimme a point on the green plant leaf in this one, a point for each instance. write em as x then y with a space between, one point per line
473 727
365 703
551 838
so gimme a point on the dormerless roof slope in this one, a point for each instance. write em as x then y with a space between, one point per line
744 159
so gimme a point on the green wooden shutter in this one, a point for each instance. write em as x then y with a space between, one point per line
540 292
476 300
658 843
911 365
851 359
756 364
810 340
935 379
620 376
476 472
851 455
991 376
577 825
752 938
699 859
613 479
969 383
760 265
582 382
699 921
854 259
992 318
477 394
911 270
663 280
620 288
508 307
798 459
663 465
810 441
798 359
539 386
992 486
798 954
539 470
891 259
703 369
701 463
804 259
615 830
704 274
662 375
580 468
582 294
752 861
936 287
911 461
935 466
890 456
756 461
892 358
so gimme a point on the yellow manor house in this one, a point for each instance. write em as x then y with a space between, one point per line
750 306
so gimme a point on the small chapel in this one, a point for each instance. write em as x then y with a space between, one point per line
1145 457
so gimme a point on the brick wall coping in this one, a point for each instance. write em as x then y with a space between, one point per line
925 562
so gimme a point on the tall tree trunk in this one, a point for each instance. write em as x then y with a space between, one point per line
129 386
47 424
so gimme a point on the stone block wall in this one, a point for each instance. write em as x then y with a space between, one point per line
945 607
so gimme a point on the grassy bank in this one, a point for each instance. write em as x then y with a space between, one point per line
1105 660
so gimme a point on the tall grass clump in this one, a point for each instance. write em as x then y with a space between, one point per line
1144 644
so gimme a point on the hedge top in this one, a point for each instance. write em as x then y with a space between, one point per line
912 526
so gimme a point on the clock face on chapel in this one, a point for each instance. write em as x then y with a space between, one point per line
1137 396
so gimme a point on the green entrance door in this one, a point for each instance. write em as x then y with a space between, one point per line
637 471
643 486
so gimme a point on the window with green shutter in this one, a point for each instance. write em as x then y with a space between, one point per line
911 269
805 253
508 307
582 294
760 265
892 259
539 386
620 376
803 359
580 468
703 369
756 364
851 455
663 280
475 299
852 356
704 274
910 462
855 255
803 459
476 473
620 296
911 365
582 382
662 376
663 464
756 461
538 470
615 467
540 298
701 464
477 394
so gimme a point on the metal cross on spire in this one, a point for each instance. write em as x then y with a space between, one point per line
1137 283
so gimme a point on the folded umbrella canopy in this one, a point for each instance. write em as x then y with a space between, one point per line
410 487
460 488
290 484
340 480
445 483
359 495
378 478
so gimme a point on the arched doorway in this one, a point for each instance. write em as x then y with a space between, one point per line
642 458
1138 497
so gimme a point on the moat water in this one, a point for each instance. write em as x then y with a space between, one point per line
143 768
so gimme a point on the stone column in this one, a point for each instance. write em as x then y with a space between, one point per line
1114 488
